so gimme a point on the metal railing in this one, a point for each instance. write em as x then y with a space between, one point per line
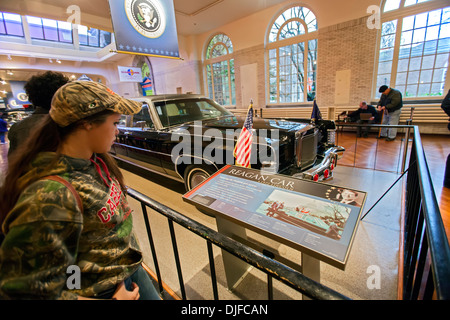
403 149
272 268
426 259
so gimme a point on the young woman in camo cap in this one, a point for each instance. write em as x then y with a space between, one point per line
63 204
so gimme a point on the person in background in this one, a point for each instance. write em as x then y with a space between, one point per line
40 89
364 108
446 107
63 205
391 103
3 128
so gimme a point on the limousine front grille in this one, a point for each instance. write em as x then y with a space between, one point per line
306 148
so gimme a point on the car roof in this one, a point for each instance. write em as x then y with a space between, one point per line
171 96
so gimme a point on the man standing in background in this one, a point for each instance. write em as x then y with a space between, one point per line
390 104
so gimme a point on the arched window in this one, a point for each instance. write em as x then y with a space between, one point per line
413 54
292 57
219 64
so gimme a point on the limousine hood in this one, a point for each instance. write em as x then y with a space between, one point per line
237 122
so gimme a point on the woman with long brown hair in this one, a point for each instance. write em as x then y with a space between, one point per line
63 206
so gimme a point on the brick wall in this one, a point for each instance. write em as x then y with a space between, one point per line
346 46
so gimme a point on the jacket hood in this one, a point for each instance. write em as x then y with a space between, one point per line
45 165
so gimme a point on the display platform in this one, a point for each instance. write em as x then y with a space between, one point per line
316 218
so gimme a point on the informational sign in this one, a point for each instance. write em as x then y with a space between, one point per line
316 218
146 27
130 74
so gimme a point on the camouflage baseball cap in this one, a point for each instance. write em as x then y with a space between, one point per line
80 99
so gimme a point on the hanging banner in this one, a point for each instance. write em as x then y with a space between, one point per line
130 74
147 87
145 27
18 91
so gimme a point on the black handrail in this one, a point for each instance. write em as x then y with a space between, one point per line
272 268
424 230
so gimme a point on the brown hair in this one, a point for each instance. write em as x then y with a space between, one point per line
47 136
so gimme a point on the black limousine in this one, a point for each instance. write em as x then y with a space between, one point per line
188 137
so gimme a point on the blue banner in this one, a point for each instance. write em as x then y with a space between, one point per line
19 92
145 27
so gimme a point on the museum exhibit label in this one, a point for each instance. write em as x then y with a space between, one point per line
316 218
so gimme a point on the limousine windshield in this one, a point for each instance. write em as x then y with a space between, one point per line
176 112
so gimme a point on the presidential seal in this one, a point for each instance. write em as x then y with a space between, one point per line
146 16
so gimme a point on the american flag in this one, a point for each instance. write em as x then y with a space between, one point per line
243 148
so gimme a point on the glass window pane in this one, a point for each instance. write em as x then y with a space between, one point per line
444 45
428 62
413 77
445 15
403 65
430 47
441 60
419 35
437 89
50 29
82 35
410 2
387 41
411 90
384 67
421 20
389 27
425 76
406 37
405 51
432 33
445 31
386 54
93 37
439 75
13 24
434 17
408 23
415 63
65 31
391 5
424 89
401 78
105 38
417 49
2 24
35 27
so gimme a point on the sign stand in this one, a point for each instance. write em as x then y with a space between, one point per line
317 219
235 268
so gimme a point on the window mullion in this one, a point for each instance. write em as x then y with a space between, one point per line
398 38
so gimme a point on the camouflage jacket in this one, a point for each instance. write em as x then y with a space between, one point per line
46 232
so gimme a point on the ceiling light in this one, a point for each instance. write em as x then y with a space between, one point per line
2 81
9 57
10 73
57 60
50 60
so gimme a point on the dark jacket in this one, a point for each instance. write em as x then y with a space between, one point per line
20 131
446 106
370 109
393 101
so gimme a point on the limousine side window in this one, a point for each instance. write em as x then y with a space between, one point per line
142 119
